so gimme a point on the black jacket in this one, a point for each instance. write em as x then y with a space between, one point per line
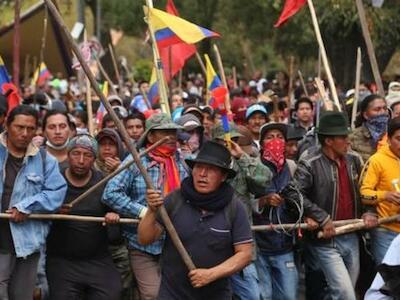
316 178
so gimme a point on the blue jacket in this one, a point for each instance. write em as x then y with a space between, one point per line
35 191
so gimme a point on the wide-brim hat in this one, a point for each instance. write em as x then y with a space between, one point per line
215 154
333 123
159 121
271 126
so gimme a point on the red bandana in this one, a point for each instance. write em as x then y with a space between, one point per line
274 152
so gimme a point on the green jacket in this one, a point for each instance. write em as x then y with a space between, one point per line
360 140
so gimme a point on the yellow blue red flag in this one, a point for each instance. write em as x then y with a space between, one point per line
213 80
153 95
170 29
4 78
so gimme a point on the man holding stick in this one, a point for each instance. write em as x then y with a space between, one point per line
212 224
78 261
328 180
31 183
125 193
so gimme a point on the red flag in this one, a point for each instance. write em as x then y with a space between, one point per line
175 56
291 8
13 97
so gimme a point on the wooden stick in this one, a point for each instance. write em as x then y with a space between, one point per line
105 75
114 173
117 74
289 101
370 47
16 42
303 83
162 85
223 78
201 63
61 217
357 89
321 89
323 54
361 225
234 75
89 106
304 226
124 134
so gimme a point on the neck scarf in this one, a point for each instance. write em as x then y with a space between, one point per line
377 127
165 156
211 202
57 148
274 152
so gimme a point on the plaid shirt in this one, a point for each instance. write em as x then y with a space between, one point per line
126 194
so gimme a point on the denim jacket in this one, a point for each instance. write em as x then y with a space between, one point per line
35 191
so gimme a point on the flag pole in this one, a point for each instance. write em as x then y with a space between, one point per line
370 47
16 42
223 78
162 90
357 88
323 54
124 134
201 63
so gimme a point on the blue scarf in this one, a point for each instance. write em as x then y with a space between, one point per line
377 128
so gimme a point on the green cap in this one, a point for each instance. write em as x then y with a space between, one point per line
333 123
218 132
157 122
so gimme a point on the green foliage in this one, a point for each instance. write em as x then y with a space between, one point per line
142 69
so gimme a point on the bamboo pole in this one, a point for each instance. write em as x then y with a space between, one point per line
290 98
163 213
114 173
16 42
322 92
323 54
117 74
61 217
201 63
357 88
106 77
361 226
303 226
89 106
223 78
370 47
162 86
303 83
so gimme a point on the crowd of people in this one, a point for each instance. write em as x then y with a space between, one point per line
289 158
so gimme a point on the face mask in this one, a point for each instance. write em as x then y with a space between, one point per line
377 127
274 152
58 148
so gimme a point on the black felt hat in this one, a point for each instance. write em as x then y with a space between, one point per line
215 154
333 123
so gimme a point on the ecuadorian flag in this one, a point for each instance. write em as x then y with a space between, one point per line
213 80
153 95
4 78
41 75
170 29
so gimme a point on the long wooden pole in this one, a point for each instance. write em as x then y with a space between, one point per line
114 173
201 63
357 89
370 47
124 134
16 43
361 225
303 83
117 74
106 77
290 98
323 53
89 105
162 86
223 78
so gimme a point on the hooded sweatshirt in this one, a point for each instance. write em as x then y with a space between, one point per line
111 133
376 179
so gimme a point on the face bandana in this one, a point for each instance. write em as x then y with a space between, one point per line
377 127
274 152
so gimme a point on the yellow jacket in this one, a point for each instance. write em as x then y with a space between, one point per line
376 180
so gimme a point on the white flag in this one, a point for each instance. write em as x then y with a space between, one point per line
377 3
